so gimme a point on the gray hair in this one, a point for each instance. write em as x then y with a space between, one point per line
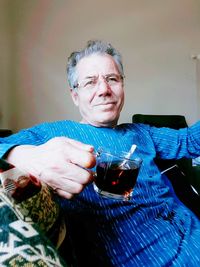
92 47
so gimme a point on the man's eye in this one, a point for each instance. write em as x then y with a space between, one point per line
89 82
112 79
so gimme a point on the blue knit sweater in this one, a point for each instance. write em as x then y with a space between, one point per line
153 229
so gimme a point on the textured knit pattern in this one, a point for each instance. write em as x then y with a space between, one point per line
152 229
22 243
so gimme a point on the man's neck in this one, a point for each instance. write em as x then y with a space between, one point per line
103 125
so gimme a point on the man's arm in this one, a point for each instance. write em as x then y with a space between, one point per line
61 163
176 144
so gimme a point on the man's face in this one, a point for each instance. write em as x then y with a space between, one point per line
100 93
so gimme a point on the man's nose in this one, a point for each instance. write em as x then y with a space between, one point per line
103 87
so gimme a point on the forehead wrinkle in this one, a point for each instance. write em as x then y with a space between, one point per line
91 77
96 64
96 76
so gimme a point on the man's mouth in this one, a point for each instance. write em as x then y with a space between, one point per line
106 103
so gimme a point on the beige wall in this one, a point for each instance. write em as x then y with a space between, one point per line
5 65
156 39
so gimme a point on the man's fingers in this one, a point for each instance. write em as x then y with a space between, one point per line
70 178
73 151
65 140
69 188
64 194
79 156
80 145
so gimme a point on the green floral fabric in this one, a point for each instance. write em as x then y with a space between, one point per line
23 242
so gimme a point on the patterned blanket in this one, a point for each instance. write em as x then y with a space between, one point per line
23 242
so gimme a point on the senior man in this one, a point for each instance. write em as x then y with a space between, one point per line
152 229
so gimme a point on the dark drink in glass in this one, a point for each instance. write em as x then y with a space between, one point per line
114 178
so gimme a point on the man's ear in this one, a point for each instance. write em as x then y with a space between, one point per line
74 96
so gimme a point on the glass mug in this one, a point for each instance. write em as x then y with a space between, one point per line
116 175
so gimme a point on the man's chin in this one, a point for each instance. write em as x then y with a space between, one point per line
101 119
106 120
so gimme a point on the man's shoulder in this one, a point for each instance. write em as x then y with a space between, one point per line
56 123
50 128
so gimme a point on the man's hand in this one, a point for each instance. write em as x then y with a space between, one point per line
61 163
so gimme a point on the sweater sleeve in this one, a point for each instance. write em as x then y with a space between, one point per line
176 144
31 136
